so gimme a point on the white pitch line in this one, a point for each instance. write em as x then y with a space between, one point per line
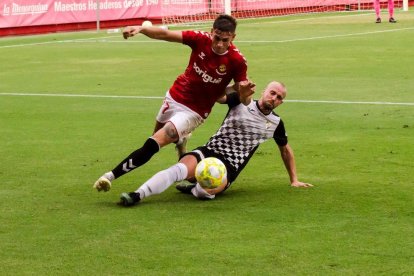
314 18
327 36
158 98
55 42
79 96
251 41
103 39
348 102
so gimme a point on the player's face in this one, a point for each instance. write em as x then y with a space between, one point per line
272 96
221 41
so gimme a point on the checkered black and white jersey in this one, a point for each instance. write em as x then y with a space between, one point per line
242 131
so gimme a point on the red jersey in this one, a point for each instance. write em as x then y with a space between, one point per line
207 74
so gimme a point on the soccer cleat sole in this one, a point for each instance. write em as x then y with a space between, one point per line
102 184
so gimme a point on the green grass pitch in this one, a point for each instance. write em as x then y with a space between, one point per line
342 72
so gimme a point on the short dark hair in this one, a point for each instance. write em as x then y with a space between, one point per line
225 23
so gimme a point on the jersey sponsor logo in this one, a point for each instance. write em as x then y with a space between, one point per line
221 70
205 76
202 55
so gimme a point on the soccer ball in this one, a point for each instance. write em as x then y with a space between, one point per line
211 173
146 23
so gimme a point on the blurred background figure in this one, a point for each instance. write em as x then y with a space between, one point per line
377 7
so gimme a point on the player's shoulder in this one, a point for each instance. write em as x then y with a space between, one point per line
275 118
275 114
194 34
232 99
234 51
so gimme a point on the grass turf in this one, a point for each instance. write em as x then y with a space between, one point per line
358 219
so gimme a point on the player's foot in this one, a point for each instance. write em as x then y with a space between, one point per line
102 184
392 20
129 199
185 186
378 20
181 146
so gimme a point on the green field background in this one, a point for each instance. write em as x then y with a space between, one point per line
350 120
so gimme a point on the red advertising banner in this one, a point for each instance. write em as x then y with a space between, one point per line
15 13
185 7
18 13
245 5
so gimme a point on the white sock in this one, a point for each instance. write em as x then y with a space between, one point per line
162 180
109 175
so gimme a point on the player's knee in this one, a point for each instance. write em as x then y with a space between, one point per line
171 132
166 135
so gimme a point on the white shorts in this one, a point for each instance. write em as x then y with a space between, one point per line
183 118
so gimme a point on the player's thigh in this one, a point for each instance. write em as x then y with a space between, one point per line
184 119
185 122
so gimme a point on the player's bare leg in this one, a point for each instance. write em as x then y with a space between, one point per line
181 145
164 136
158 126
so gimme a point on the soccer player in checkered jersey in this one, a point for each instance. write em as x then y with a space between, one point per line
248 123
214 63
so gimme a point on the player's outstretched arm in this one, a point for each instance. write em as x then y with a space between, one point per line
154 33
288 158
246 90
130 31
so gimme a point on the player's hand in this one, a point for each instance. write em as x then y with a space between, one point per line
216 190
246 90
130 31
299 184
247 86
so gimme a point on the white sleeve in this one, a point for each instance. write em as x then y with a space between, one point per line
199 192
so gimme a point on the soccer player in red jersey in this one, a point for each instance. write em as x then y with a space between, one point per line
214 63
